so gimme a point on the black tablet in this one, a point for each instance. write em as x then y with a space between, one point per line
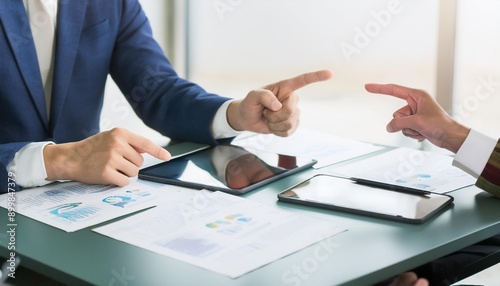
226 168
341 194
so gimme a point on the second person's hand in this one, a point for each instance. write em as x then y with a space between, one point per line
422 117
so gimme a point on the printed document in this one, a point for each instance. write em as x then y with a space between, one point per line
220 232
71 206
410 168
325 148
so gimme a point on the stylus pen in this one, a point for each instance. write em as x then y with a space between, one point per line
386 186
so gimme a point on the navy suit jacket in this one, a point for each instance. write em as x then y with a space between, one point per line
94 38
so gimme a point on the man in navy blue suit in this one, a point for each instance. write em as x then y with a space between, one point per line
51 94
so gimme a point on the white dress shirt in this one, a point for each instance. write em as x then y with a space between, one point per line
28 163
474 153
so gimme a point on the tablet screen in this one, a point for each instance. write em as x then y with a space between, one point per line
225 168
345 195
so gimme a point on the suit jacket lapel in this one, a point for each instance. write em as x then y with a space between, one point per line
69 27
17 28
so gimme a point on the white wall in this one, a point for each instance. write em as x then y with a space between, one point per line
238 45
477 76
278 37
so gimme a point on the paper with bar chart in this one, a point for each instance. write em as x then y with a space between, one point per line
220 232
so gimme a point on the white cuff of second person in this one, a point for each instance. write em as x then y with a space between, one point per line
474 153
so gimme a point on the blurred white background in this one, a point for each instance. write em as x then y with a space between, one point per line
232 46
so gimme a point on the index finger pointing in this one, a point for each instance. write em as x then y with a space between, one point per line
289 85
389 89
144 145
302 80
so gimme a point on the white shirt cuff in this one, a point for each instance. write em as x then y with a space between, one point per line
474 153
220 126
28 165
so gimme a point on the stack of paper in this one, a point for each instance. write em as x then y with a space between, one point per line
216 231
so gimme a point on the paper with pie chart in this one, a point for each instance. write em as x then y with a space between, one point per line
410 168
71 206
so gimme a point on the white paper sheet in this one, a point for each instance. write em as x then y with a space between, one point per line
72 206
327 149
220 232
410 168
